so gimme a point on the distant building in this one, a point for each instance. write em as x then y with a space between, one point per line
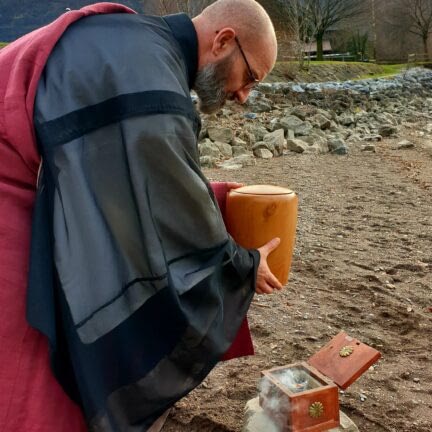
310 48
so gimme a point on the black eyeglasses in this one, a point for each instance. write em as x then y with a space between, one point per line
252 79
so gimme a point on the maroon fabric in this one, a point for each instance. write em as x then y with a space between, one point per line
31 400
242 345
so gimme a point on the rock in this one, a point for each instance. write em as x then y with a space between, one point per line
335 143
257 130
372 137
428 148
404 144
262 105
296 145
238 150
387 130
263 145
322 122
317 142
256 420
303 111
208 162
346 119
263 153
230 165
208 148
342 150
239 142
258 103
245 160
289 123
290 134
220 134
304 129
297 88
277 141
368 148
224 148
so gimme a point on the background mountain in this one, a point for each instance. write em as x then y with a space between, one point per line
18 17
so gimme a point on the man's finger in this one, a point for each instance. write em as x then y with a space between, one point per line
269 247
233 185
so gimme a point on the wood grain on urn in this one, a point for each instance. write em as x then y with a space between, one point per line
257 214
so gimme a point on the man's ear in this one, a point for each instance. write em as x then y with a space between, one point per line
224 42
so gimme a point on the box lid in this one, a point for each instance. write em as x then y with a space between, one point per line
344 359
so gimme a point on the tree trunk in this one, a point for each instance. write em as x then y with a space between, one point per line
425 48
319 41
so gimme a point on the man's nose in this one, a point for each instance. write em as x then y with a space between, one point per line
241 95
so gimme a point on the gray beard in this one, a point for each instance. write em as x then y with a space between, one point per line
210 86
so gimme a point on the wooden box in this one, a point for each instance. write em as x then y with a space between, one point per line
304 396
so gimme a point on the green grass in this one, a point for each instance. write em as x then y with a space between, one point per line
3 44
386 71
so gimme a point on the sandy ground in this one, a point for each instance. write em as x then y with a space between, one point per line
363 264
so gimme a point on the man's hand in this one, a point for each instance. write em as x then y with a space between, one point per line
266 281
233 185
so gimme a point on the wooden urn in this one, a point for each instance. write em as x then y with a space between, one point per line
304 397
257 214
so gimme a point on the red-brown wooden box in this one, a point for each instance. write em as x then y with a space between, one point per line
304 396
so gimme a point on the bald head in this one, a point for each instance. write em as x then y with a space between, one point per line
236 49
248 19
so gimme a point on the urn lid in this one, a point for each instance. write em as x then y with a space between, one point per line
344 359
262 190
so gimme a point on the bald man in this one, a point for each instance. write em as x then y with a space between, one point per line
120 287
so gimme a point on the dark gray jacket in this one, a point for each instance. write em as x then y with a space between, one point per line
133 276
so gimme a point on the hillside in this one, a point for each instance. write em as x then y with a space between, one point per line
18 18
330 71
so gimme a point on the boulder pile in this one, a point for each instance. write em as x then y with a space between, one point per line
315 118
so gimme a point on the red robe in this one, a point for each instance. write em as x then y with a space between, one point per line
31 400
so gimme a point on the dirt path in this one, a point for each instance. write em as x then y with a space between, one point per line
363 264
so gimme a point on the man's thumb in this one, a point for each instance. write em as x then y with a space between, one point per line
272 245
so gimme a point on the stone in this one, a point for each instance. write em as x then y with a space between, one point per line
245 160
368 148
257 130
256 420
277 141
296 145
346 119
220 134
289 122
261 105
239 150
224 148
404 144
387 130
208 162
304 129
335 143
342 150
302 112
208 148
372 137
230 165
263 153
263 145
239 142
322 122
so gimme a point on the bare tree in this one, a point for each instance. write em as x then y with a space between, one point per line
191 7
299 26
322 15
419 13
325 14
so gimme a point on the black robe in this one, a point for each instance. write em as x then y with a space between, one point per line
133 276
